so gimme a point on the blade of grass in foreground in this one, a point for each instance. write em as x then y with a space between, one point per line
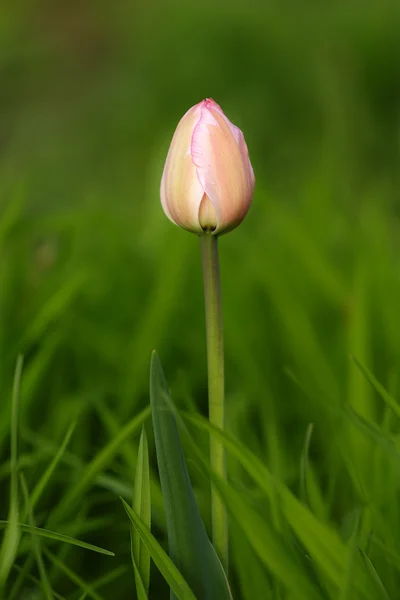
141 504
11 537
41 484
140 589
96 466
188 543
322 543
162 561
59 537
44 580
271 548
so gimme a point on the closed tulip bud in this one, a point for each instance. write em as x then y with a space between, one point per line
208 181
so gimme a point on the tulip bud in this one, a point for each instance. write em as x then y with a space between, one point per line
208 180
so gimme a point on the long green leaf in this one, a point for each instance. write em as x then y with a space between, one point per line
52 535
140 589
141 504
162 561
189 546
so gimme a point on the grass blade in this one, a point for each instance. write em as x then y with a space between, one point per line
23 573
269 547
34 579
141 505
273 552
390 556
59 537
346 591
304 464
380 588
96 466
140 588
11 537
85 587
386 397
164 564
41 484
44 580
322 543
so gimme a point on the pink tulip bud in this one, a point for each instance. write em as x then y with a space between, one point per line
208 180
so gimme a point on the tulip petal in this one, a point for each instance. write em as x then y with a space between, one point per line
207 214
237 134
223 168
181 191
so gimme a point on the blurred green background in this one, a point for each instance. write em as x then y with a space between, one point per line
93 276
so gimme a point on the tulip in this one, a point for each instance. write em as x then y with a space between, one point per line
208 181
206 188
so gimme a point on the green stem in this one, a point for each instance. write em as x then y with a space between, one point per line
215 364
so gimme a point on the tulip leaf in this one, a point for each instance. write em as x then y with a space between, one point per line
272 549
142 507
189 546
164 564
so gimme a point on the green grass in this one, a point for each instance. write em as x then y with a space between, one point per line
93 277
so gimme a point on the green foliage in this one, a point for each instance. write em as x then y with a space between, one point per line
93 277
52 535
9 546
188 543
165 565
44 580
141 505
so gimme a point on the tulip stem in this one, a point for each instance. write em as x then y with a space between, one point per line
215 364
